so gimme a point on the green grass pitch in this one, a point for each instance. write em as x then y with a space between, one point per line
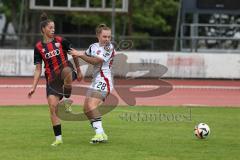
136 133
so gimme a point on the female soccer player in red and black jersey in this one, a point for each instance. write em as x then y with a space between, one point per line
59 71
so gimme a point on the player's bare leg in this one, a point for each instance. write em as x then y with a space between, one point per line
67 88
91 110
53 102
67 79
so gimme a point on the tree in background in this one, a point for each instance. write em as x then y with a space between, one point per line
9 9
156 18
12 11
145 18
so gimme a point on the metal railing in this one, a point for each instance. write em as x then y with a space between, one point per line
222 37
193 38
28 40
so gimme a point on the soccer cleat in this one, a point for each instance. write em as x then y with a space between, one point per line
105 137
67 104
99 138
57 143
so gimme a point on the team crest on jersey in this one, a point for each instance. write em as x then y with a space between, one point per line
57 45
107 48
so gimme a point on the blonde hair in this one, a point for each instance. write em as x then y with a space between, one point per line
101 27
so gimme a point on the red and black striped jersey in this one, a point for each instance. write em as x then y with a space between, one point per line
54 56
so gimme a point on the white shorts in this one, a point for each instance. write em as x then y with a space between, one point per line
103 85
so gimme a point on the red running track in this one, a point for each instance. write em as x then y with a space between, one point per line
223 93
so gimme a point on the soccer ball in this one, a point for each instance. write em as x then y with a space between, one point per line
201 130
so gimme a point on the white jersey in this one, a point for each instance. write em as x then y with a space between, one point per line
102 76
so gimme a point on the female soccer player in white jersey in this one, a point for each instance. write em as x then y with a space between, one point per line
101 56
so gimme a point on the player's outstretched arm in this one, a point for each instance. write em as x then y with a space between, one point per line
83 56
37 75
75 53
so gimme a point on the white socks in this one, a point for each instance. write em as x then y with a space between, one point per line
98 127
59 137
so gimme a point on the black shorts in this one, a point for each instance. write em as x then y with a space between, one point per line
55 87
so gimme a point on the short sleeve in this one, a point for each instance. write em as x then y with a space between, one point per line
67 45
91 51
37 56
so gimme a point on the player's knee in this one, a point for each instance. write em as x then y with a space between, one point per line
53 109
90 107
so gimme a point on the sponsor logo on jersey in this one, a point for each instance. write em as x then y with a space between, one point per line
106 54
53 53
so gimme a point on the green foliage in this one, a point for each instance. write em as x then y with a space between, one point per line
155 18
155 15
5 9
11 9
91 20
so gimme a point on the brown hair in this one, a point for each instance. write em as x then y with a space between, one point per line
44 21
101 27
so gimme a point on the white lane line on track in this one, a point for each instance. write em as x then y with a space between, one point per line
136 87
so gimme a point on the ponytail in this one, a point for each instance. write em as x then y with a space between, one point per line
44 20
